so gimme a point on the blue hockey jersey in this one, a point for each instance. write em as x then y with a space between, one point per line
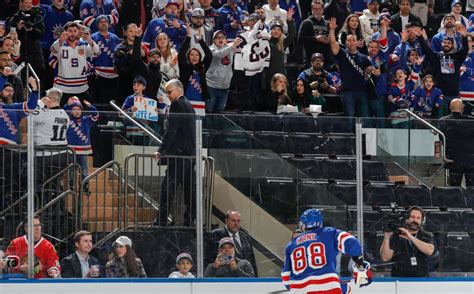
10 117
79 131
466 83
54 20
423 100
104 63
90 10
400 96
229 15
159 25
310 260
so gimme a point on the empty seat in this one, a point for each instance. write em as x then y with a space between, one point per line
338 145
373 220
442 221
378 194
308 166
337 169
299 122
270 166
275 141
209 138
470 196
338 218
278 197
448 197
467 221
304 143
335 124
265 121
347 193
412 195
235 140
311 193
374 171
454 252
237 119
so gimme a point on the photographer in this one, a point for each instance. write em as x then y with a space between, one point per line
28 21
408 246
227 264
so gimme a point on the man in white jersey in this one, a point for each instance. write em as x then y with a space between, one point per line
50 128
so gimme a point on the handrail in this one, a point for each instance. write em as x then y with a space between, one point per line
60 173
431 127
135 122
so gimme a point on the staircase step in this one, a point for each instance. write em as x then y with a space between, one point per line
106 199
101 185
93 214
110 226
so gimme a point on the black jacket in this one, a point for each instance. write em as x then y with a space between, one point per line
130 13
396 21
180 136
71 266
457 129
186 69
151 73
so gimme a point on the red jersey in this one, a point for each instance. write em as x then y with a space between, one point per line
44 251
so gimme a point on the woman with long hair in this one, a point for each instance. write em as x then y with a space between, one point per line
169 56
277 94
303 96
352 27
123 262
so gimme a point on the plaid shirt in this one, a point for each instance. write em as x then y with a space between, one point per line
116 268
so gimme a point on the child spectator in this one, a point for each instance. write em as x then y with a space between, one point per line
184 263
427 99
79 131
399 93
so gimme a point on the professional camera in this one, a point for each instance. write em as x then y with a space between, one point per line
396 219
30 18
11 261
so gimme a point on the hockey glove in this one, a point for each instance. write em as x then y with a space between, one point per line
362 275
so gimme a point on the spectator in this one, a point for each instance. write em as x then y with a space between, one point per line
466 81
233 17
3 29
456 128
212 17
169 56
184 263
392 36
295 5
92 9
421 9
448 28
338 9
7 94
79 131
123 262
73 67
369 20
227 264
80 264
219 74
179 139
399 93
277 94
241 239
303 96
132 11
169 24
318 78
352 27
401 19
47 265
427 100
409 53
314 32
12 45
409 249
446 64
279 44
7 76
55 17
273 11
355 68
106 81
456 10
30 31
196 27
192 69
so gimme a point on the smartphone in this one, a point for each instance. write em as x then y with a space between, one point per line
12 29
86 30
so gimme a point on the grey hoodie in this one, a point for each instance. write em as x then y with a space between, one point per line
220 72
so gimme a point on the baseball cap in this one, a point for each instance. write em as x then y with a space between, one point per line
101 17
219 32
253 17
316 56
456 2
139 79
373 1
172 2
198 12
225 240
155 51
276 23
183 256
122 241
8 84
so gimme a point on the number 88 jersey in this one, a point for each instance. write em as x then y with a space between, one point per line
310 260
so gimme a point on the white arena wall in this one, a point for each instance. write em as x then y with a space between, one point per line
227 286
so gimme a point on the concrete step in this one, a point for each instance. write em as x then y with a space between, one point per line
93 214
107 199
102 185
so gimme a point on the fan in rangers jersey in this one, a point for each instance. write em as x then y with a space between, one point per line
310 258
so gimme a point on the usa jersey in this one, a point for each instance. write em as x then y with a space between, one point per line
90 10
73 66
310 260
254 53
10 117
50 127
79 132
44 252
104 63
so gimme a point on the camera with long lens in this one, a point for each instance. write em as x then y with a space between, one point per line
396 219
11 261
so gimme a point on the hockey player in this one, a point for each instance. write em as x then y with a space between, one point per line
310 258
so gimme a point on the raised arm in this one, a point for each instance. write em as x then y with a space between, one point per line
332 37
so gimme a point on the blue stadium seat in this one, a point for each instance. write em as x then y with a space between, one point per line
444 197
338 169
275 141
443 221
378 194
407 195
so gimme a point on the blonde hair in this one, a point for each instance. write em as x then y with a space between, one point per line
167 52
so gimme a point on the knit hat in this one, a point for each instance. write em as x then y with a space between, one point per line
184 256
316 56
101 17
140 80
383 15
7 84
276 23
155 51
198 12
448 38
122 241
3 23
253 17
73 102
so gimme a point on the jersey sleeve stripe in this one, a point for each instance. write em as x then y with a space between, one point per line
341 239
326 284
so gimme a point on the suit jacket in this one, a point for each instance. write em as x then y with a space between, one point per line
71 266
247 249
396 21
180 136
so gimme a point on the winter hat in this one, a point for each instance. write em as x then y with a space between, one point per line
172 2
373 1
276 23
140 80
101 17
198 12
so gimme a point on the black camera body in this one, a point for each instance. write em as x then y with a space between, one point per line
30 18
396 220
11 261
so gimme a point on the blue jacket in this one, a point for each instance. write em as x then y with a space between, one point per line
10 117
79 131
229 15
438 39
54 20
159 25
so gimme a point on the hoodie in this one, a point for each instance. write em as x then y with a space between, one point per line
368 24
220 72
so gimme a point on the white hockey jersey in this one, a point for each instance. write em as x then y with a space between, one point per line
254 55
50 127
73 66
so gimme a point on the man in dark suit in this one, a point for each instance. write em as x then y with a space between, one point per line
241 239
402 18
179 140
80 264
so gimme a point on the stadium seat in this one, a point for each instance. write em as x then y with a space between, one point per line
312 194
338 145
270 165
299 122
265 121
337 169
240 119
454 257
278 197
373 220
304 143
442 221
378 194
470 197
335 124
209 138
467 221
310 167
347 193
275 141
339 218
444 197
235 140
412 195
374 171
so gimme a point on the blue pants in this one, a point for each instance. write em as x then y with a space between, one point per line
355 102
82 161
217 99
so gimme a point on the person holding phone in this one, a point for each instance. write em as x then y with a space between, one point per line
227 264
